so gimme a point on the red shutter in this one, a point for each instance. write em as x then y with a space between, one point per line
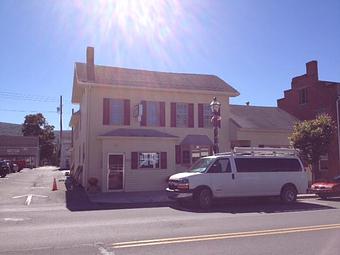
134 160
127 112
106 111
191 115
143 121
200 116
178 154
219 114
162 114
173 114
164 160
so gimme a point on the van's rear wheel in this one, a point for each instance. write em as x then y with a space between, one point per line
288 194
203 198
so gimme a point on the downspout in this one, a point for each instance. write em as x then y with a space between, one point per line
88 98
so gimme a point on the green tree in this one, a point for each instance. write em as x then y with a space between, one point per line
312 138
36 125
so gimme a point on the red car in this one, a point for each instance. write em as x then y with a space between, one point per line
327 189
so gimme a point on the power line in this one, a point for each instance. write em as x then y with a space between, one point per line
29 97
12 110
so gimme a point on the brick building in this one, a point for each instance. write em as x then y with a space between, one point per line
309 97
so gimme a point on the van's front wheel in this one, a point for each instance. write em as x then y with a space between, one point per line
288 194
203 198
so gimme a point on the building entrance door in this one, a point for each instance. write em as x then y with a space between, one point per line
115 172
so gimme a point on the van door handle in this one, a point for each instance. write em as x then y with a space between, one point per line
233 176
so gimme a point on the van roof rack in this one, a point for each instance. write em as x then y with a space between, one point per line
265 151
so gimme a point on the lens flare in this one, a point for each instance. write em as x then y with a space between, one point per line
126 29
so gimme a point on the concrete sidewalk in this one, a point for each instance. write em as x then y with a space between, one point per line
144 197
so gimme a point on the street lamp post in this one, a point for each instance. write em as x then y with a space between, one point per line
216 118
338 126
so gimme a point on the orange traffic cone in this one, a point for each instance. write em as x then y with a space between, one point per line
54 187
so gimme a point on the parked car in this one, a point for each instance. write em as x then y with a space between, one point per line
11 165
245 172
325 189
4 168
21 164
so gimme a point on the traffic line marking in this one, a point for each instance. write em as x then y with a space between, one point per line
211 237
29 198
14 219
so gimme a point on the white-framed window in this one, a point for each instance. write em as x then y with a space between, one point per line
148 160
153 113
182 116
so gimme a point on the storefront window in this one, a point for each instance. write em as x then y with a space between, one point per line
198 153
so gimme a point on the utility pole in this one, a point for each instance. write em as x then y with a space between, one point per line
61 127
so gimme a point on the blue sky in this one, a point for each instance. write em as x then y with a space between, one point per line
257 46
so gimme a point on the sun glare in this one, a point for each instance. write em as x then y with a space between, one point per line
125 28
150 20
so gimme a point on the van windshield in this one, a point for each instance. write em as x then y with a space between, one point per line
201 165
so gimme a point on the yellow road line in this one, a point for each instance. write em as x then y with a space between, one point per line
223 236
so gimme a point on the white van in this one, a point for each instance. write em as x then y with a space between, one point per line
245 172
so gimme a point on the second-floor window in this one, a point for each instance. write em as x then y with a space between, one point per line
153 114
116 111
182 115
204 116
303 96
153 117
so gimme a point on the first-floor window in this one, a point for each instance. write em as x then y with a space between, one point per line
148 160
198 153
187 155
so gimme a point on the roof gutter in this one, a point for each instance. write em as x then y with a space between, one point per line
207 92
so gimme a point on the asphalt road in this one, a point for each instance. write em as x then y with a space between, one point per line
60 224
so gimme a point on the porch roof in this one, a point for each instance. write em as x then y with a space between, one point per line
196 140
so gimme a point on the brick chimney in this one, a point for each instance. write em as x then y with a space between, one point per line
90 74
312 70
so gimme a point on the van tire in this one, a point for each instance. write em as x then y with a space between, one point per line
323 197
203 198
288 194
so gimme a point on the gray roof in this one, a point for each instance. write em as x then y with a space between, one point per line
67 134
154 79
129 132
10 129
196 140
17 141
261 117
